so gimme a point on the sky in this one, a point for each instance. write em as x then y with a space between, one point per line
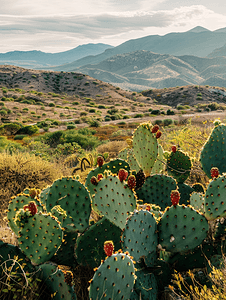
60 25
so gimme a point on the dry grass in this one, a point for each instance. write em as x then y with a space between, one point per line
113 148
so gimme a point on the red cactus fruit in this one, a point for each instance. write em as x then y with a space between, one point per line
148 207
99 177
175 197
131 182
158 134
108 248
174 149
155 128
100 161
122 174
94 180
214 172
31 207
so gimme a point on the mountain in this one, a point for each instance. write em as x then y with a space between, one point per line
39 59
142 69
218 52
197 41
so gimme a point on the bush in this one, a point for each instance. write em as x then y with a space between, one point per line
167 122
52 104
30 130
20 136
213 106
158 122
138 116
92 110
155 112
170 112
70 126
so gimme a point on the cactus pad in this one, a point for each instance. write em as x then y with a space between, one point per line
179 165
114 200
145 147
56 282
90 245
157 189
215 198
114 279
182 228
40 237
74 198
15 205
213 153
139 236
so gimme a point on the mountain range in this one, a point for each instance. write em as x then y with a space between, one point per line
197 56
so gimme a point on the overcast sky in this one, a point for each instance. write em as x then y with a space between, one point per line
60 25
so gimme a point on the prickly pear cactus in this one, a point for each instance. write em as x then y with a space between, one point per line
16 204
74 199
157 189
179 165
182 228
145 147
213 153
197 201
217 261
114 279
114 166
132 160
57 282
160 162
140 234
90 244
123 154
215 198
114 200
40 237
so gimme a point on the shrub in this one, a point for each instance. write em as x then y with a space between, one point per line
158 122
213 106
94 123
24 171
52 104
155 112
30 130
70 126
170 112
138 116
20 136
92 110
167 122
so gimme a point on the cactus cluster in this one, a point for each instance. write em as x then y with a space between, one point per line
160 222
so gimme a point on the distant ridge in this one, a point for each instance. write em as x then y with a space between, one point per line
198 29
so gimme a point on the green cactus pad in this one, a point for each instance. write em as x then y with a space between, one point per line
132 160
145 147
179 165
157 189
145 287
74 198
182 228
140 234
15 205
114 279
40 238
114 166
123 154
199 188
65 255
43 195
90 245
54 279
114 200
213 153
185 193
197 201
215 198
159 165
11 256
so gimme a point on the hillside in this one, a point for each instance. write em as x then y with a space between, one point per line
218 52
142 69
31 96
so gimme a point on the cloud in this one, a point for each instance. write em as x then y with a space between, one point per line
61 32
